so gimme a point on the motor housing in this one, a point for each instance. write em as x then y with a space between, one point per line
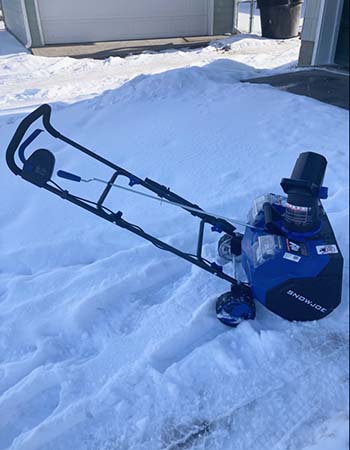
298 279
292 261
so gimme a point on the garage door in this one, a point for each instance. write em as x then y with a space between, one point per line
68 21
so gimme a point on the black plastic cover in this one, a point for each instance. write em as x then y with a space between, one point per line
38 168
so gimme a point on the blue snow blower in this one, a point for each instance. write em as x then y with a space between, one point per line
291 260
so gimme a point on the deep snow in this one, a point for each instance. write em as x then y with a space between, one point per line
107 343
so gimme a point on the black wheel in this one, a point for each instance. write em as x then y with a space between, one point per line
235 306
230 246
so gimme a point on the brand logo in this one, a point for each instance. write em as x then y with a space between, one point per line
294 247
306 301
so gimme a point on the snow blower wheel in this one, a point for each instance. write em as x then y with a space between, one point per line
235 306
230 246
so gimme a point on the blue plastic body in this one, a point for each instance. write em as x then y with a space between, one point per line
271 271
323 192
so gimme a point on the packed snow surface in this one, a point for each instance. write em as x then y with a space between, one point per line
108 343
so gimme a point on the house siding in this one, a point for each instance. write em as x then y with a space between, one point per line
312 13
309 31
33 23
223 16
306 52
14 19
320 32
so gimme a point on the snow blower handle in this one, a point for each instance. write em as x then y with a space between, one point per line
43 111
38 169
68 176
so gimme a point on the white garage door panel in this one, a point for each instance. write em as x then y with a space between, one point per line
120 8
66 21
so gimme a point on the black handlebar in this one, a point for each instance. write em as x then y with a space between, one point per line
39 167
43 111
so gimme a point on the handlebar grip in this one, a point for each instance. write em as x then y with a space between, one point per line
43 111
68 176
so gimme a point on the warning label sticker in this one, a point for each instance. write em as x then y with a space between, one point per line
326 249
291 257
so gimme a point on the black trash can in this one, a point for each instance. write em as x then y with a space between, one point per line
280 19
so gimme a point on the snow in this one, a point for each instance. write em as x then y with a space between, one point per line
107 342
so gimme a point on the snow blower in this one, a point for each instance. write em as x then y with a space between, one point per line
288 250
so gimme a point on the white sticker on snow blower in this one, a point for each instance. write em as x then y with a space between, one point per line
326 249
292 257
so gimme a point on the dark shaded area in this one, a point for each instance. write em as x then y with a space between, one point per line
342 52
103 50
320 84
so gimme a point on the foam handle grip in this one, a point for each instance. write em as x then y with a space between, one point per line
68 176
43 111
